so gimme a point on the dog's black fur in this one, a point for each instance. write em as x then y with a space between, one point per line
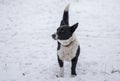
66 40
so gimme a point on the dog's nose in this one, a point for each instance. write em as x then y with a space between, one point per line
53 36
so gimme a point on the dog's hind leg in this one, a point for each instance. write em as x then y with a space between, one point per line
65 20
73 68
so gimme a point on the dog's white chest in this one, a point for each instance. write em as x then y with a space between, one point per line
68 53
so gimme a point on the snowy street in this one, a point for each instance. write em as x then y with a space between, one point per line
28 52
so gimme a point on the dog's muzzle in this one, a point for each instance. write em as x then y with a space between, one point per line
54 36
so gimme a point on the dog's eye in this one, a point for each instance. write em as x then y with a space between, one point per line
62 30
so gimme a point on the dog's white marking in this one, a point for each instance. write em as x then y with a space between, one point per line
67 7
66 42
56 36
73 76
61 72
68 53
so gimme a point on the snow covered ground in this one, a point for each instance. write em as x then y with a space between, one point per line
28 53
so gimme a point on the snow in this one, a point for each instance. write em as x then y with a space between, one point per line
28 53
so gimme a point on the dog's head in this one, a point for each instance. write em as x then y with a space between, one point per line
64 32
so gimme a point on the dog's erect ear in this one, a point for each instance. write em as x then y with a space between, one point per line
65 19
62 23
73 28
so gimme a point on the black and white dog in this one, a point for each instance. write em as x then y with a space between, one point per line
68 47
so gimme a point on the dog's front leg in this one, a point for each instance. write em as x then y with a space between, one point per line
61 64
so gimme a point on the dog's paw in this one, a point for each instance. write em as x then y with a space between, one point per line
73 76
59 76
61 73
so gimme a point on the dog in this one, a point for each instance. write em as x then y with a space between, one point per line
68 48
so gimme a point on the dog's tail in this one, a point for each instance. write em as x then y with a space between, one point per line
65 19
